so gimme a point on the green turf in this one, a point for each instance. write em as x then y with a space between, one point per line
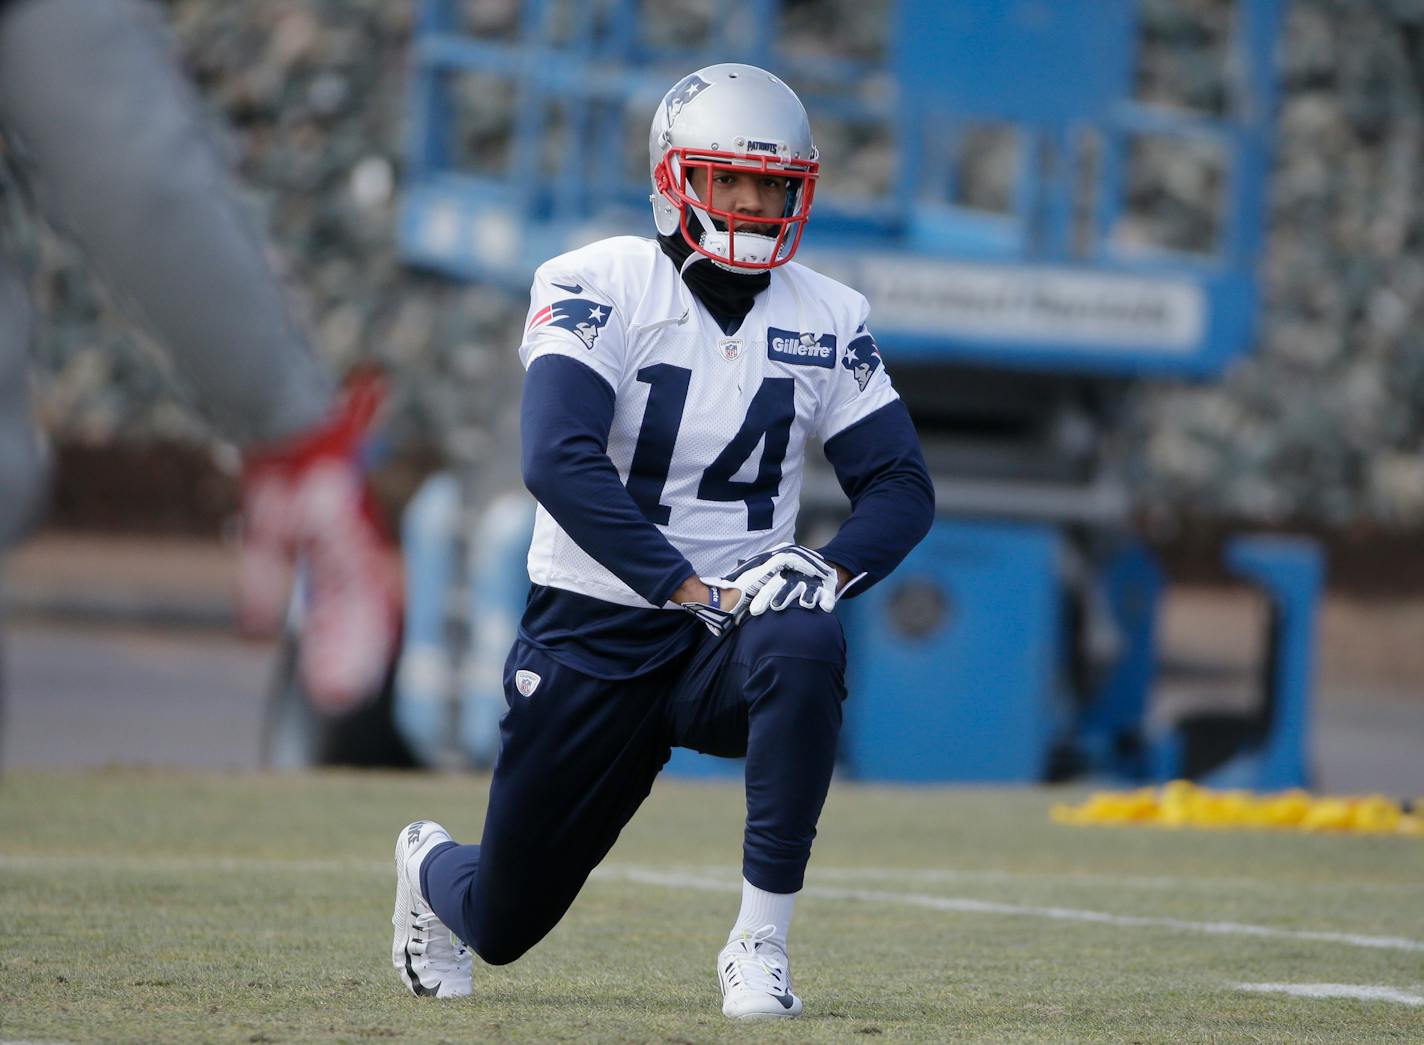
167 907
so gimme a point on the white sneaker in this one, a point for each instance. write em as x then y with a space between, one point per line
430 959
755 975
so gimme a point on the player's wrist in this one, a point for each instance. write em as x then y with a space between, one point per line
691 590
695 589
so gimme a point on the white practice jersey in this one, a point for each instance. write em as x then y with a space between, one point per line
711 428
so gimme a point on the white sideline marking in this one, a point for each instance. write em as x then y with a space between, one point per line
645 876
1335 990
1131 881
728 884
999 876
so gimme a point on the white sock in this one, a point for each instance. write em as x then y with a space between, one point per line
759 908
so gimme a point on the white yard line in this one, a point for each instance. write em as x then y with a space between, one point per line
727 881
648 876
1335 990
993 876
1131 881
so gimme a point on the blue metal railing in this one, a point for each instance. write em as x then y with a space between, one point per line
951 69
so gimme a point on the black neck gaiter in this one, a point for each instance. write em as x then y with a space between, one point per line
728 296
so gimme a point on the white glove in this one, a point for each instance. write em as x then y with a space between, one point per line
803 578
783 576
758 579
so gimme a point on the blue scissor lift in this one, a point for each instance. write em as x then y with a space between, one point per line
1017 312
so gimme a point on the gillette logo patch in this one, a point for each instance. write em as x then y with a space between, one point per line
789 346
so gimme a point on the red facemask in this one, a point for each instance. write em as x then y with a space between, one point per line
672 176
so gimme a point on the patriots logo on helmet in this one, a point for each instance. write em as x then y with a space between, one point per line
862 357
577 315
688 88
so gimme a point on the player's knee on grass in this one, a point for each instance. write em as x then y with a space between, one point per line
795 632
501 951
507 932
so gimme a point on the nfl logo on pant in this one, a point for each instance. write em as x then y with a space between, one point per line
526 682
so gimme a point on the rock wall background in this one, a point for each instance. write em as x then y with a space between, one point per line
1322 427
1325 423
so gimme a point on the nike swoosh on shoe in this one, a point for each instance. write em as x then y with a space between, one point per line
422 991
786 1000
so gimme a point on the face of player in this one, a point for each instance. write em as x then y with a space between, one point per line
750 193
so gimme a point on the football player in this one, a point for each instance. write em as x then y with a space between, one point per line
119 156
672 386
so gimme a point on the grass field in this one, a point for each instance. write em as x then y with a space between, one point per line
168 907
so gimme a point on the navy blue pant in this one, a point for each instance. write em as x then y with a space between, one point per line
579 755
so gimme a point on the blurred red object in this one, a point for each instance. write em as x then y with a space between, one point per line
307 501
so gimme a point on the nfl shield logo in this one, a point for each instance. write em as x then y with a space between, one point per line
526 682
731 348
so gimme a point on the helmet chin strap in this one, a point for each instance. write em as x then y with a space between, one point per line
751 247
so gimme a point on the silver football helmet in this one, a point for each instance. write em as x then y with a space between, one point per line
732 118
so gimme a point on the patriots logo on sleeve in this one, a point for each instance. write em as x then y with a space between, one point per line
862 357
577 315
